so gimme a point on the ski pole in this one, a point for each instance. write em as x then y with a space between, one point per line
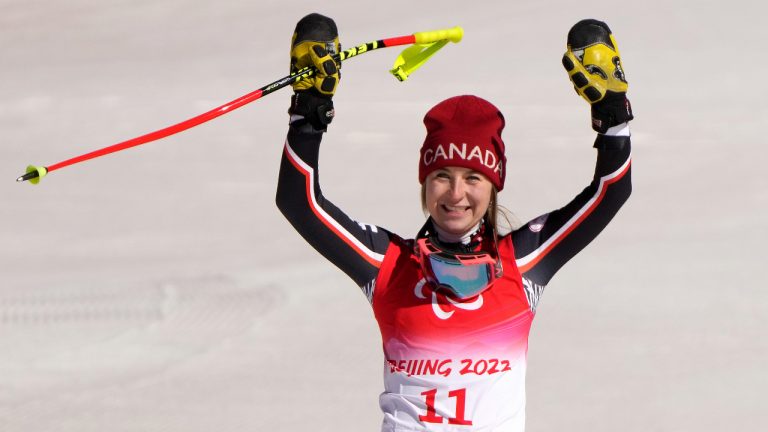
430 41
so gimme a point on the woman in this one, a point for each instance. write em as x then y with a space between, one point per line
455 304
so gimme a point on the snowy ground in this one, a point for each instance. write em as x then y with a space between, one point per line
160 290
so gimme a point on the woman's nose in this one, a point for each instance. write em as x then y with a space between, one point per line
457 189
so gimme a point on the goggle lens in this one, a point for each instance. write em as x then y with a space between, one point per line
463 280
464 275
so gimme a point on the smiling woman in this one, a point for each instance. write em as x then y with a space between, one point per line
462 164
455 304
457 198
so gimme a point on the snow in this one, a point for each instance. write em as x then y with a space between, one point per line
159 289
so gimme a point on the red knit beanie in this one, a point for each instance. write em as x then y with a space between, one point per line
464 131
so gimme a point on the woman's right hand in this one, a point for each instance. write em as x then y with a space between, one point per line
315 41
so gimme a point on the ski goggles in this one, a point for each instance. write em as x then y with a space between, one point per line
464 275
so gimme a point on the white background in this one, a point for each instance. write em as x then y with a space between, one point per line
159 289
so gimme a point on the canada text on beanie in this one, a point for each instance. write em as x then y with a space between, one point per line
464 131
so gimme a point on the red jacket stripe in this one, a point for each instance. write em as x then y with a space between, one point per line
370 256
529 261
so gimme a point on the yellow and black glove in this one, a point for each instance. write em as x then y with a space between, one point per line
315 41
594 66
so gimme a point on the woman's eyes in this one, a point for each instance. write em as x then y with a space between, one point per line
472 178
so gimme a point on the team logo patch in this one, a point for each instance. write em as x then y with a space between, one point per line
537 224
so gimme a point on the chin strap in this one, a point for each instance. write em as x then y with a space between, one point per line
468 242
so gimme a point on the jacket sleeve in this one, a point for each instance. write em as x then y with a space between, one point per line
545 244
355 248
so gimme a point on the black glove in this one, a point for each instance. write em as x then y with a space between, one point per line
594 66
315 41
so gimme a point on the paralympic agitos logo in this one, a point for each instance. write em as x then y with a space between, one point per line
418 290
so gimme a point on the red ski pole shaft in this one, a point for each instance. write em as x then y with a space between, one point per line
34 173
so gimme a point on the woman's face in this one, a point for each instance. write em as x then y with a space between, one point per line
457 198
